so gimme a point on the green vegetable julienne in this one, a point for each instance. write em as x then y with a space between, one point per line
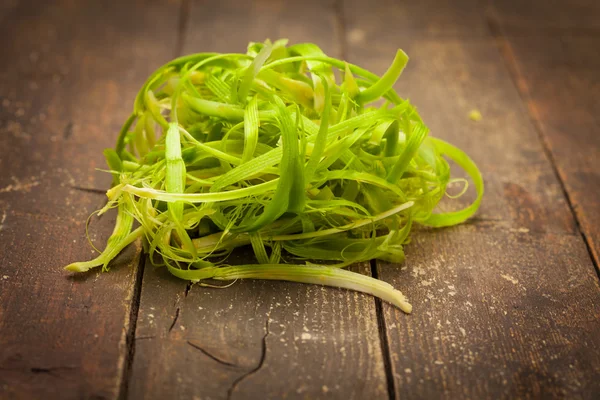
271 150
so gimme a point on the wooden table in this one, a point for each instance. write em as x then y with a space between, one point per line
506 306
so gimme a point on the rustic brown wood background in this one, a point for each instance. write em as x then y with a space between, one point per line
506 306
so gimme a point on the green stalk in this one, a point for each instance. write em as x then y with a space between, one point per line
313 274
251 123
465 162
228 112
321 139
386 82
118 240
161 195
251 72
412 146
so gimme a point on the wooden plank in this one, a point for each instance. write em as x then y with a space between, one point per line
540 17
497 315
65 72
557 76
505 306
229 26
389 21
256 339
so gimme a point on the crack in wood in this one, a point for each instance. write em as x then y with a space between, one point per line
51 371
188 287
383 339
130 335
263 355
174 319
217 359
68 131
37 370
89 189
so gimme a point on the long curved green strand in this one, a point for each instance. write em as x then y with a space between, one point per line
118 240
280 202
236 194
412 146
294 168
321 139
175 172
465 162
229 112
321 74
385 83
251 72
175 182
251 125
320 275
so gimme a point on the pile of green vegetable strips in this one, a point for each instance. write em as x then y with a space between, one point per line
314 162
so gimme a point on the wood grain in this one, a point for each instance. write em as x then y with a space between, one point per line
541 17
67 69
256 339
506 305
388 21
497 315
556 73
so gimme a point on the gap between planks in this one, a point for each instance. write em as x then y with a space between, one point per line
137 292
340 26
132 323
383 339
506 53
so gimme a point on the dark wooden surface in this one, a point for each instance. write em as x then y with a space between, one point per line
555 65
506 306
498 314
66 70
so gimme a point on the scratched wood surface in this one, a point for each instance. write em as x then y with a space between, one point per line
256 339
64 70
506 306
499 301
